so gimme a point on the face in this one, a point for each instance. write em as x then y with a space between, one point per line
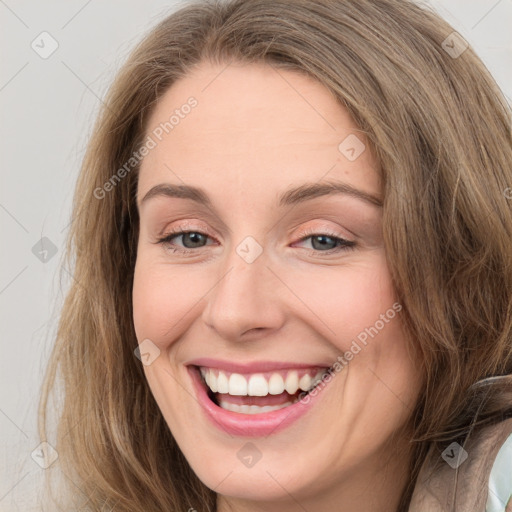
280 274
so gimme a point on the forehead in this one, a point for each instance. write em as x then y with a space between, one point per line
254 130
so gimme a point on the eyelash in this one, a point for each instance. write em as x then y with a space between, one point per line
343 244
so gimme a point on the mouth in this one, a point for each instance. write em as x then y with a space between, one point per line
258 393
256 403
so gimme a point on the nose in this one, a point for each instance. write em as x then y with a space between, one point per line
244 301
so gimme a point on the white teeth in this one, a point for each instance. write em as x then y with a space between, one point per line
292 382
213 382
222 383
251 409
317 378
237 385
305 382
257 386
275 384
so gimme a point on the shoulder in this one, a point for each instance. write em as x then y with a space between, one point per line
464 476
499 497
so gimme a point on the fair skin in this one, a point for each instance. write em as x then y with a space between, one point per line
254 134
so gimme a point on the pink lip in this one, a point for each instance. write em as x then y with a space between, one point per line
255 367
250 425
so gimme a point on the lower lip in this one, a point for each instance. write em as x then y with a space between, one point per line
252 425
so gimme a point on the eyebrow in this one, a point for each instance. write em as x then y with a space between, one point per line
293 196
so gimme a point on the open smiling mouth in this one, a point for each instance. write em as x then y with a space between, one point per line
259 392
256 404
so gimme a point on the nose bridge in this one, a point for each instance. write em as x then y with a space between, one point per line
243 298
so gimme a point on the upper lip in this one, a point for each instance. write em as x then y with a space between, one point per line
251 367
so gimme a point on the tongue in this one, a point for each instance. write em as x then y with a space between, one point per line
256 400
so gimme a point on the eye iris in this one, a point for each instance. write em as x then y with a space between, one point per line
322 239
196 239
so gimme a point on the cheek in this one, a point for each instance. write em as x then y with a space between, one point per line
347 299
159 302
343 300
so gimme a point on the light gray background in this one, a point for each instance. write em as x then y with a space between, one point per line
47 110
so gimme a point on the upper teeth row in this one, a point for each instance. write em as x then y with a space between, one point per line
258 384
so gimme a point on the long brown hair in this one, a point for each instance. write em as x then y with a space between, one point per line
440 129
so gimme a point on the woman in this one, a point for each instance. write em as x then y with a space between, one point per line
292 246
